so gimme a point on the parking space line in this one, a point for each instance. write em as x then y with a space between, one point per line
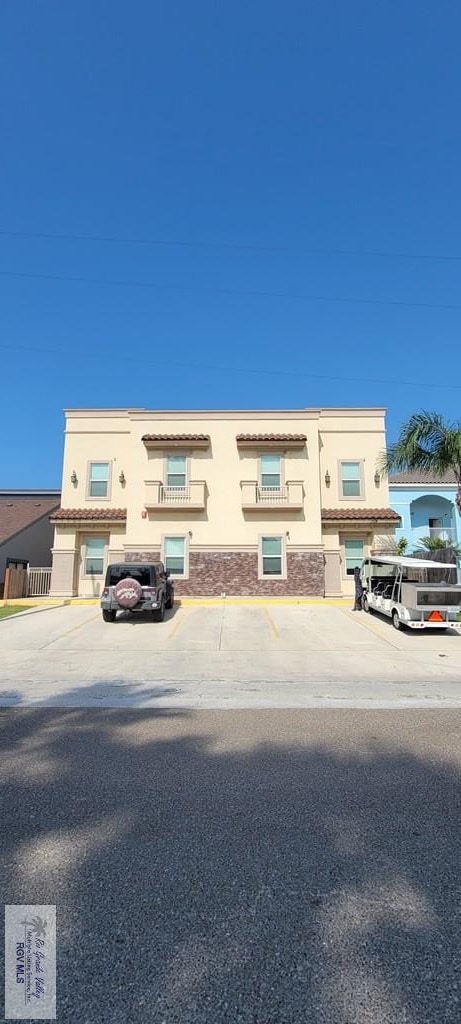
180 616
79 625
272 625
367 625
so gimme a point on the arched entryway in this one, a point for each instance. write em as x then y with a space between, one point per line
433 516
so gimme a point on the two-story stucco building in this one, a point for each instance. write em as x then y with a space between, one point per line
280 502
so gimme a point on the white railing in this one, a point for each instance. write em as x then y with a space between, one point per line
443 533
162 496
174 495
272 495
38 582
255 497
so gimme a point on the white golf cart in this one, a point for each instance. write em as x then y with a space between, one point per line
402 589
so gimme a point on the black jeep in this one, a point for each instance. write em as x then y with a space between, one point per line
137 587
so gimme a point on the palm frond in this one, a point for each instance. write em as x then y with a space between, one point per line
427 443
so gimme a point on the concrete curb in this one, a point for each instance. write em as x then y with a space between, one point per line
41 604
27 611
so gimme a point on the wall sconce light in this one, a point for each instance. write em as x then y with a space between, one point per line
288 534
122 478
74 478
377 478
190 533
327 478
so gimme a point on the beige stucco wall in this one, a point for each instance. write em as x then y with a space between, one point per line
117 439
352 435
114 436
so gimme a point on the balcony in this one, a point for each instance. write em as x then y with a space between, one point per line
160 498
447 533
289 498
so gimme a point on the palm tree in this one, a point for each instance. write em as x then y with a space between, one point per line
438 544
427 442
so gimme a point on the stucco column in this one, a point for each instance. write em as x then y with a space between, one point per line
333 574
63 573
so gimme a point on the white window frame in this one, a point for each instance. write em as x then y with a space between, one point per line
281 473
99 462
357 537
360 478
177 536
176 455
105 540
283 554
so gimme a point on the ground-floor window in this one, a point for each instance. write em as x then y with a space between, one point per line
353 549
271 556
174 555
95 551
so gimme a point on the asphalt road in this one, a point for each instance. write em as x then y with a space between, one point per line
240 867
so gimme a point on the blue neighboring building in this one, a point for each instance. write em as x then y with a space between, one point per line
426 505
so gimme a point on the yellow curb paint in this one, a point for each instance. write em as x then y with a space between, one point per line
194 601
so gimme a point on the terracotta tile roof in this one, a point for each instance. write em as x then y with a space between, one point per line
114 515
418 476
271 437
16 513
175 437
359 514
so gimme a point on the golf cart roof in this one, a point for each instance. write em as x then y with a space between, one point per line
411 563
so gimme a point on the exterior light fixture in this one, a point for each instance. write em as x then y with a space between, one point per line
122 478
327 478
377 478
74 479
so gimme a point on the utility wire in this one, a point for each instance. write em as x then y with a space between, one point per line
237 246
98 352
232 291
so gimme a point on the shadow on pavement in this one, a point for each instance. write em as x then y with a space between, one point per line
253 867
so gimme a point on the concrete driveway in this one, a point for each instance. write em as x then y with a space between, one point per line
224 655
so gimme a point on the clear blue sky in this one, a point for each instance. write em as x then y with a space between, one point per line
267 136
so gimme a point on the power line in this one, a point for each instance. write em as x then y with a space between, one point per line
97 352
254 293
232 246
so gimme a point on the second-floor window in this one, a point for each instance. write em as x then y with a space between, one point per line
98 486
351 480
270 471
176 471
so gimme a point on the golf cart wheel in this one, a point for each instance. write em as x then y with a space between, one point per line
396 620
366 605
108 616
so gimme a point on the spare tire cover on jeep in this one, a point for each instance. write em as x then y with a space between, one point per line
128 593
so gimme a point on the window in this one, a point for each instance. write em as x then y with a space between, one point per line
95 548
271 556
174 555
270 471
176 471
354 554
351 482
99 480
